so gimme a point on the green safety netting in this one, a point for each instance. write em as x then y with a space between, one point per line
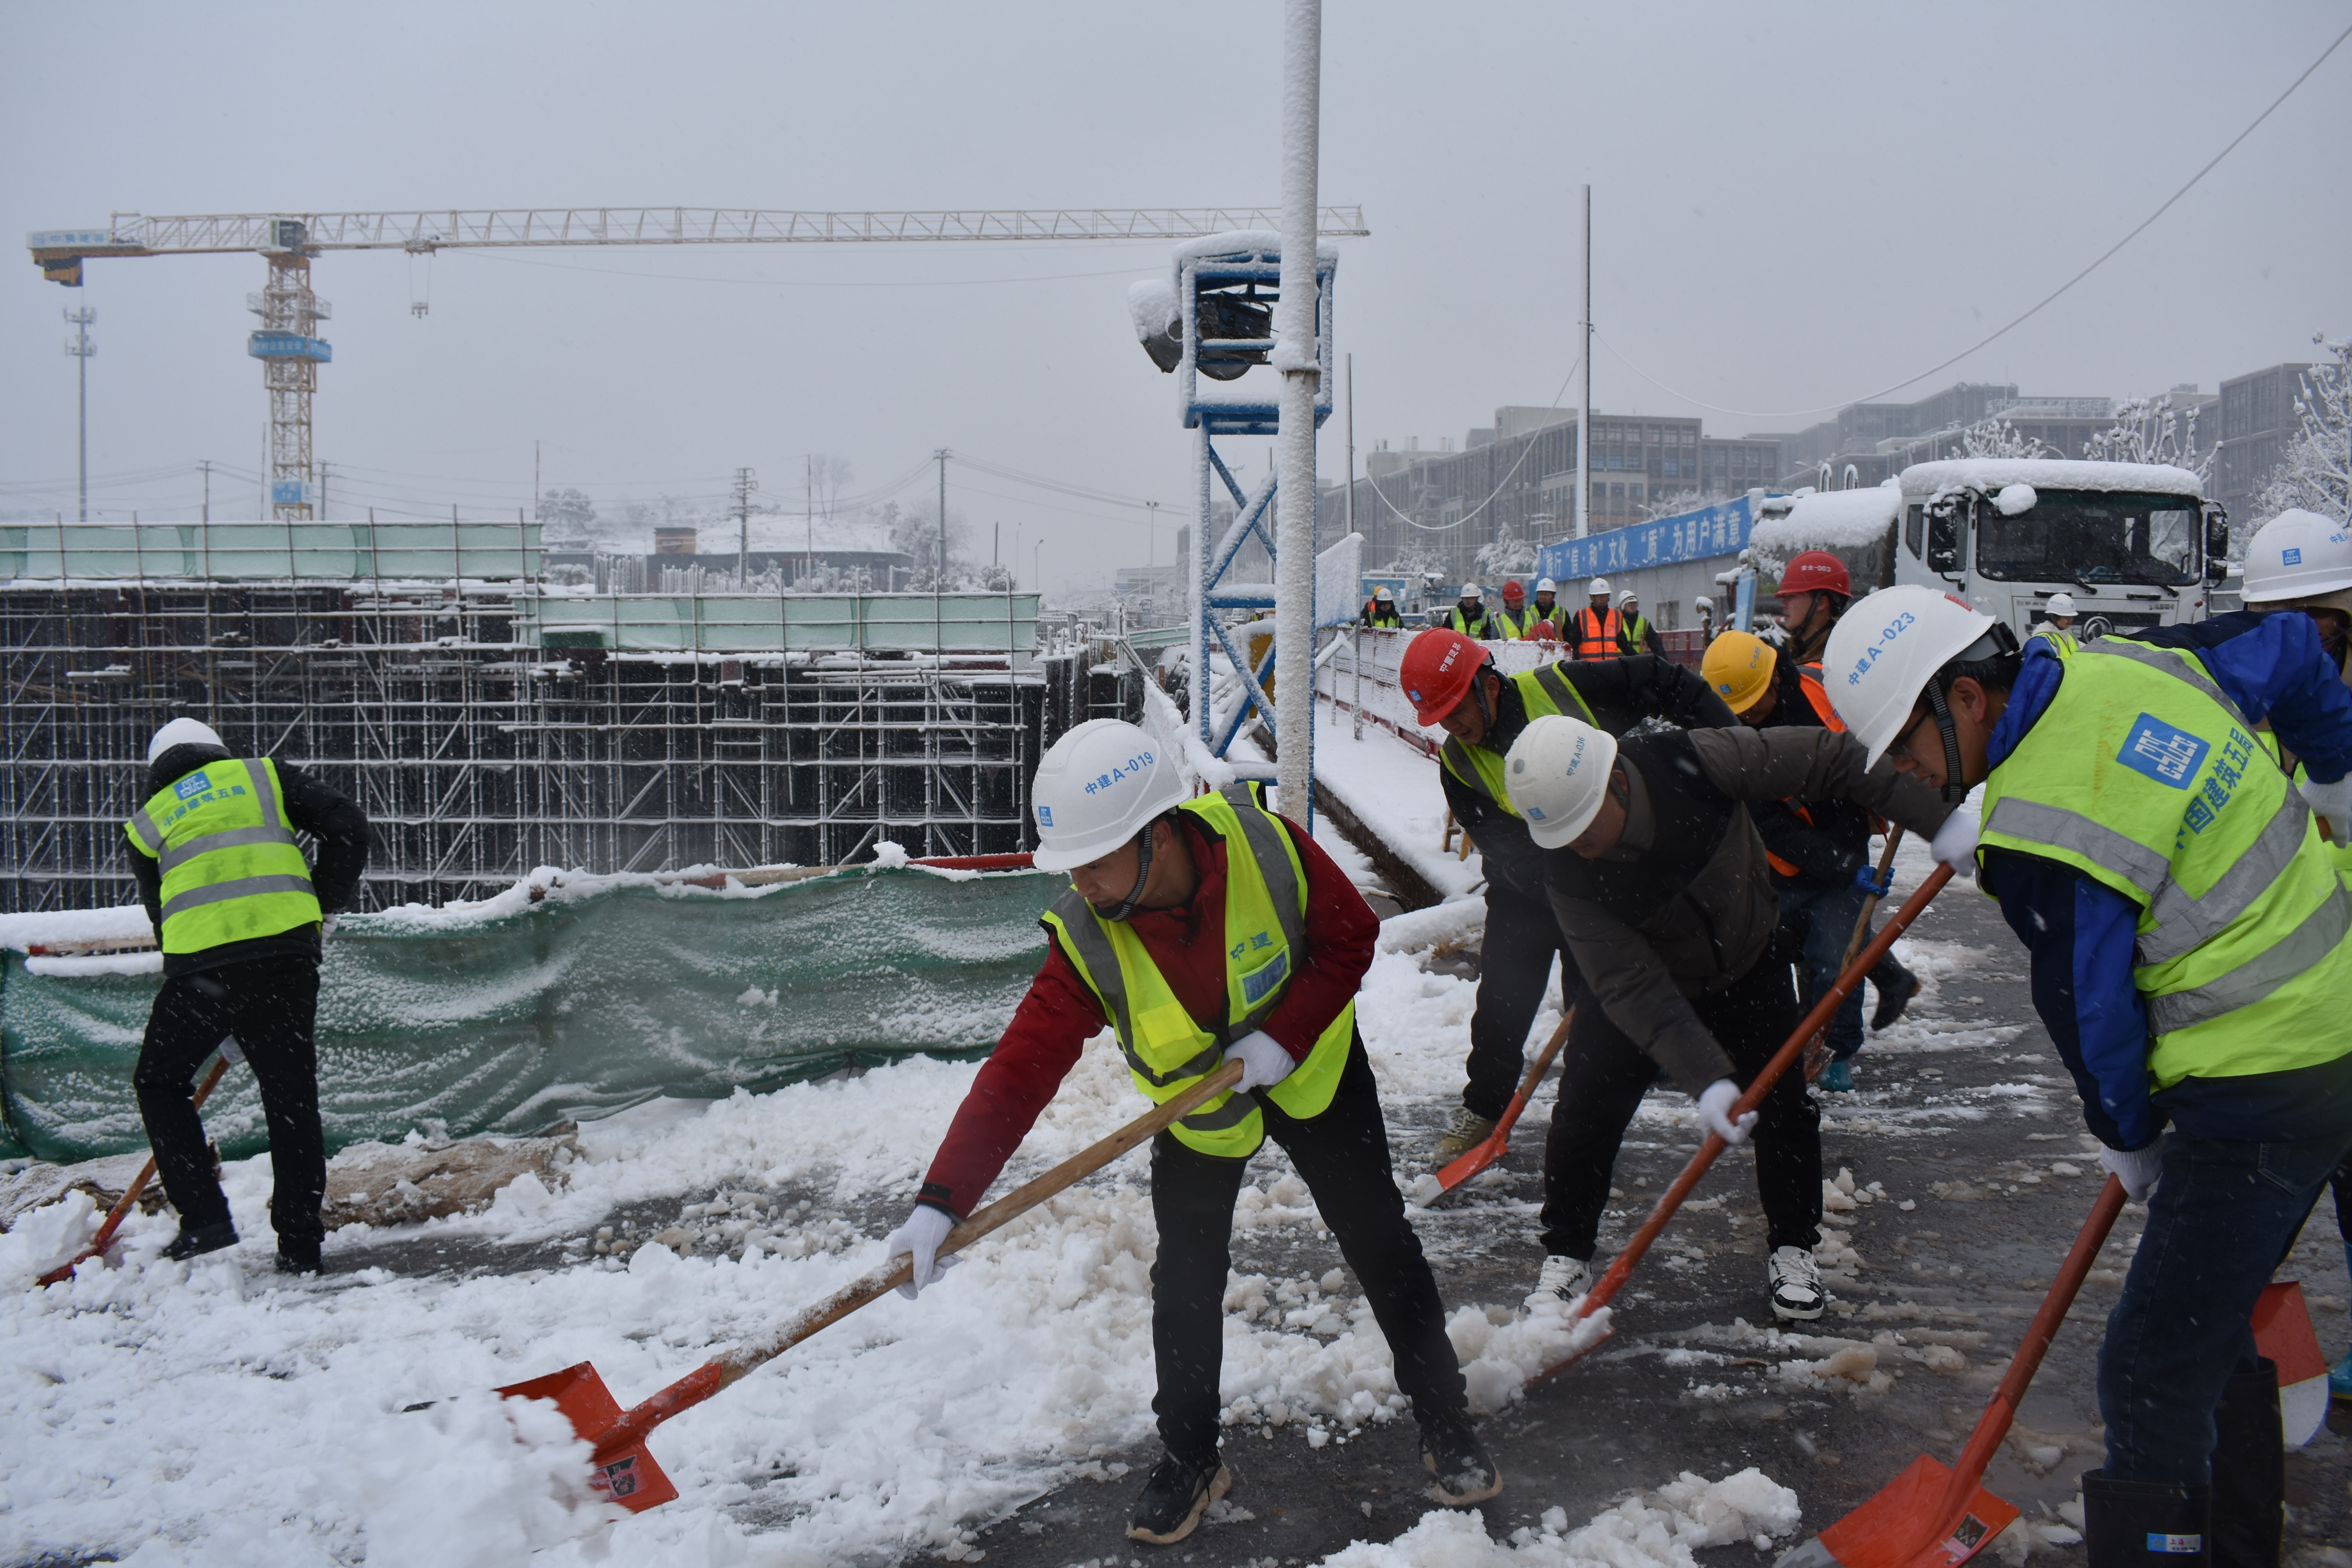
517 1013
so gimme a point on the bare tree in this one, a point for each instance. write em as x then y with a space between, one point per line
1670 505
2151 430
2316 473
1997 437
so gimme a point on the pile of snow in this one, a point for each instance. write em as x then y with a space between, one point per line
1655 1530
1828 520
1989 476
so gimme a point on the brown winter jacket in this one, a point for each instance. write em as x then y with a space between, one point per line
1684 906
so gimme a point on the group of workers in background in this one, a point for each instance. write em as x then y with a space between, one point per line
1601 629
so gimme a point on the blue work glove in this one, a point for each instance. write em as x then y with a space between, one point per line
1872 882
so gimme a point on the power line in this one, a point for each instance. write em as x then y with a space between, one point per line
1525 454
2031 311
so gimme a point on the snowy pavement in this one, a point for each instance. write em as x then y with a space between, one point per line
160 1413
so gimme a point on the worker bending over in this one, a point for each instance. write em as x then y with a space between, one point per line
1204 929
240 917
2187 935
1380 611
1658 880
1819 853
1453 684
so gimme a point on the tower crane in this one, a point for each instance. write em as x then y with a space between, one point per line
287 339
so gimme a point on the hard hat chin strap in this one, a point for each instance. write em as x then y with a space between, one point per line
1955 787
1134 899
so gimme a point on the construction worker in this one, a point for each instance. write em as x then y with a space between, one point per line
1597 630
1547 610
2187 941
1820 854
1517 621
2057 625
1633 626
1204 928
1380 611
1657 878
1469 616
240 916
1814 592
1453 683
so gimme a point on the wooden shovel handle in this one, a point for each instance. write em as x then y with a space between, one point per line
710 1377
121 1209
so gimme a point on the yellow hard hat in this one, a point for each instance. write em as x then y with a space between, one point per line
1738 667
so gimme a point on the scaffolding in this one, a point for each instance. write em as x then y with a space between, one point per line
491 725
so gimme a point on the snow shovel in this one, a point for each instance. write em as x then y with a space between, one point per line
622 1466
1472 1161
1817 1055
1622 1268
121 1209
1930 1517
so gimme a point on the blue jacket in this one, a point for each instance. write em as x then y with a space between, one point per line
2080 934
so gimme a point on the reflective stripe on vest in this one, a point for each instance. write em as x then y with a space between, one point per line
1543 690
2143 775
1596 636
1637 632
229 868
2061 642
1809 682
2338 851
1465 624
1515 625
1265 923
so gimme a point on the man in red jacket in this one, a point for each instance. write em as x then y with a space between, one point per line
1202 930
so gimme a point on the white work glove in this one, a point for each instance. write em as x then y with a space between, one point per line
2137 1169
1715 1103
2333 803
921 1237
1955 844
230 1051
326 926
1263 1061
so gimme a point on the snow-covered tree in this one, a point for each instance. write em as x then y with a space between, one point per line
1997 437
2151 430
1415 557
2315 472
1671 505
996 579
568 512
1507 553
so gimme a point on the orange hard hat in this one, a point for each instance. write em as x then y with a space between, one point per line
1437 670
1817 571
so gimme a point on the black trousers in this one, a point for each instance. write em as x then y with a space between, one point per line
1343 1157
1603 1078
271 1004
1514 965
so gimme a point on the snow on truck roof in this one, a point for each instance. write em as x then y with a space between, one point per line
1990 475
1827 520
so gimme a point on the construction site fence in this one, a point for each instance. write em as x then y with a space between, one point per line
594 995
1361 675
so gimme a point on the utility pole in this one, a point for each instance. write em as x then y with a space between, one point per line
744 485
534 481
322 492
939 582
1296 361
81 348
808 512
207 467
1351 445
1584 408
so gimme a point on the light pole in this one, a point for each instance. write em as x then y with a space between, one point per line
81 348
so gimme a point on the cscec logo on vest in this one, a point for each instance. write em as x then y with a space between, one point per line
194 785
2168 755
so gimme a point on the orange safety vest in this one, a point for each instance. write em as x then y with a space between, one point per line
1596 636
1809 682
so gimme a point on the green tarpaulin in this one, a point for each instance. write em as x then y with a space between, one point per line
516 1014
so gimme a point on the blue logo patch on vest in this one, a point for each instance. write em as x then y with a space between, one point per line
2168 755
1260 983
194 785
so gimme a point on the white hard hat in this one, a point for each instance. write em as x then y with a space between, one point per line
1472 591
1883 652
1546 586
2061 604
1097 787
1382 593
2297 554
1558 774
1628 598
1598 585
183 732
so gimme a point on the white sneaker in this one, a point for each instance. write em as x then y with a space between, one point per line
1796 1283
1564 1280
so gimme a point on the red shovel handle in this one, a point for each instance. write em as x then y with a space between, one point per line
1488 1150
121 1209
1761 1085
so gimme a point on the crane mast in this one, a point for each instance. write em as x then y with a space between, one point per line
287 343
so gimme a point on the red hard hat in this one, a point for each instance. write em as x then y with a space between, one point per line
1436 672
1511 590
1814 572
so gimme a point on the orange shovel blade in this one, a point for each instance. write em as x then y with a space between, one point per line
1902 1527
627 1474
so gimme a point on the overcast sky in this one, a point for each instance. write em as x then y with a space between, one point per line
1790 214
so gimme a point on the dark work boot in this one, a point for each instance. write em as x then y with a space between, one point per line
2249 1514
195 1241
298 1255
1451 1449
2142 1524
1175 1495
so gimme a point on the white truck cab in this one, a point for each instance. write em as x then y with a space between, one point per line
2137 544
